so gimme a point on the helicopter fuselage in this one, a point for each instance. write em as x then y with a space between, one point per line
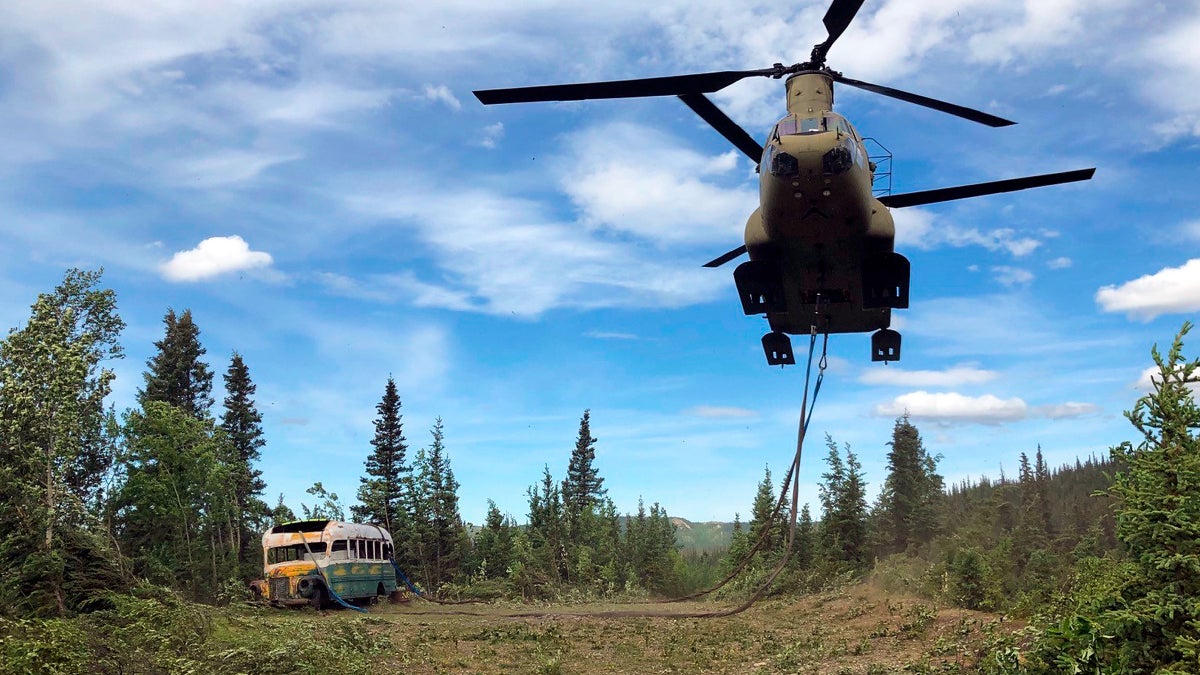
819 232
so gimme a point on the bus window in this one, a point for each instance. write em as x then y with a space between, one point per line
338 552
278 554
387 550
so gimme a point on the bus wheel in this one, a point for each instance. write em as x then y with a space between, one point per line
318 597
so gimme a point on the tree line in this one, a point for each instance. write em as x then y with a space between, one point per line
1102 555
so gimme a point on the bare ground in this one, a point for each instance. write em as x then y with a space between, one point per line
858 629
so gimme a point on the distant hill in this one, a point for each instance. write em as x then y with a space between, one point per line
702 536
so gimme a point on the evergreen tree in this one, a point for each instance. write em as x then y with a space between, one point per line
547 533
738 546
907 507
583 487
54 449
765 500
833 483
492 552
442 531
382 492
176 375
802 548
242 424
844 501
1041 486
1156 620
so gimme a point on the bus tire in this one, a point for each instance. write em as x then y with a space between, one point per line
318 599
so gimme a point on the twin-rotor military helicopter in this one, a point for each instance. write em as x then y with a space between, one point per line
821 245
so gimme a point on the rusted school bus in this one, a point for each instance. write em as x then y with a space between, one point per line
303 560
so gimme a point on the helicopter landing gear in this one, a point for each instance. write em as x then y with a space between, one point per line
885 281
778 347
759 287
885 345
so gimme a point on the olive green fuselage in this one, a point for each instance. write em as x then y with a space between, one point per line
818 220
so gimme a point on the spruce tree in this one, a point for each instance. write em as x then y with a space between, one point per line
583 486
176 375
853 512
492 552
382 492
442 530
761 511
547 532
802 548
907 507
242 424
833 483
1156 620
844 501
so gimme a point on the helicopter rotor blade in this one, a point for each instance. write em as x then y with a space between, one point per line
981 189
675 85
726 257
838 18
709 112
951 108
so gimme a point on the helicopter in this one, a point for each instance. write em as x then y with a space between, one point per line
821 245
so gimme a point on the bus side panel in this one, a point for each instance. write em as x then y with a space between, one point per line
360 579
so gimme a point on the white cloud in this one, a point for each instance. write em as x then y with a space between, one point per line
397 288
633 179
1171 290
721 412
442 94
506 255
1060 263
608 335
1152 375
952 407
1146 380
492 134
213 257
221 168
950 377
919 228
1173 57
1044 23
1012 276
1066 410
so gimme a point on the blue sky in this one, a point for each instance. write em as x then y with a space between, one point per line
314 180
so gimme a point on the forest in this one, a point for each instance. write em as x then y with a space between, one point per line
121 532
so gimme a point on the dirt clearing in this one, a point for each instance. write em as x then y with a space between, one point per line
859 629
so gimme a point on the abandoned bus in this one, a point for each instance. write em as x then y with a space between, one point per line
304 559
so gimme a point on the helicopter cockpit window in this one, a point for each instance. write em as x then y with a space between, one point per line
786 126
791 125
838 123
811 125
